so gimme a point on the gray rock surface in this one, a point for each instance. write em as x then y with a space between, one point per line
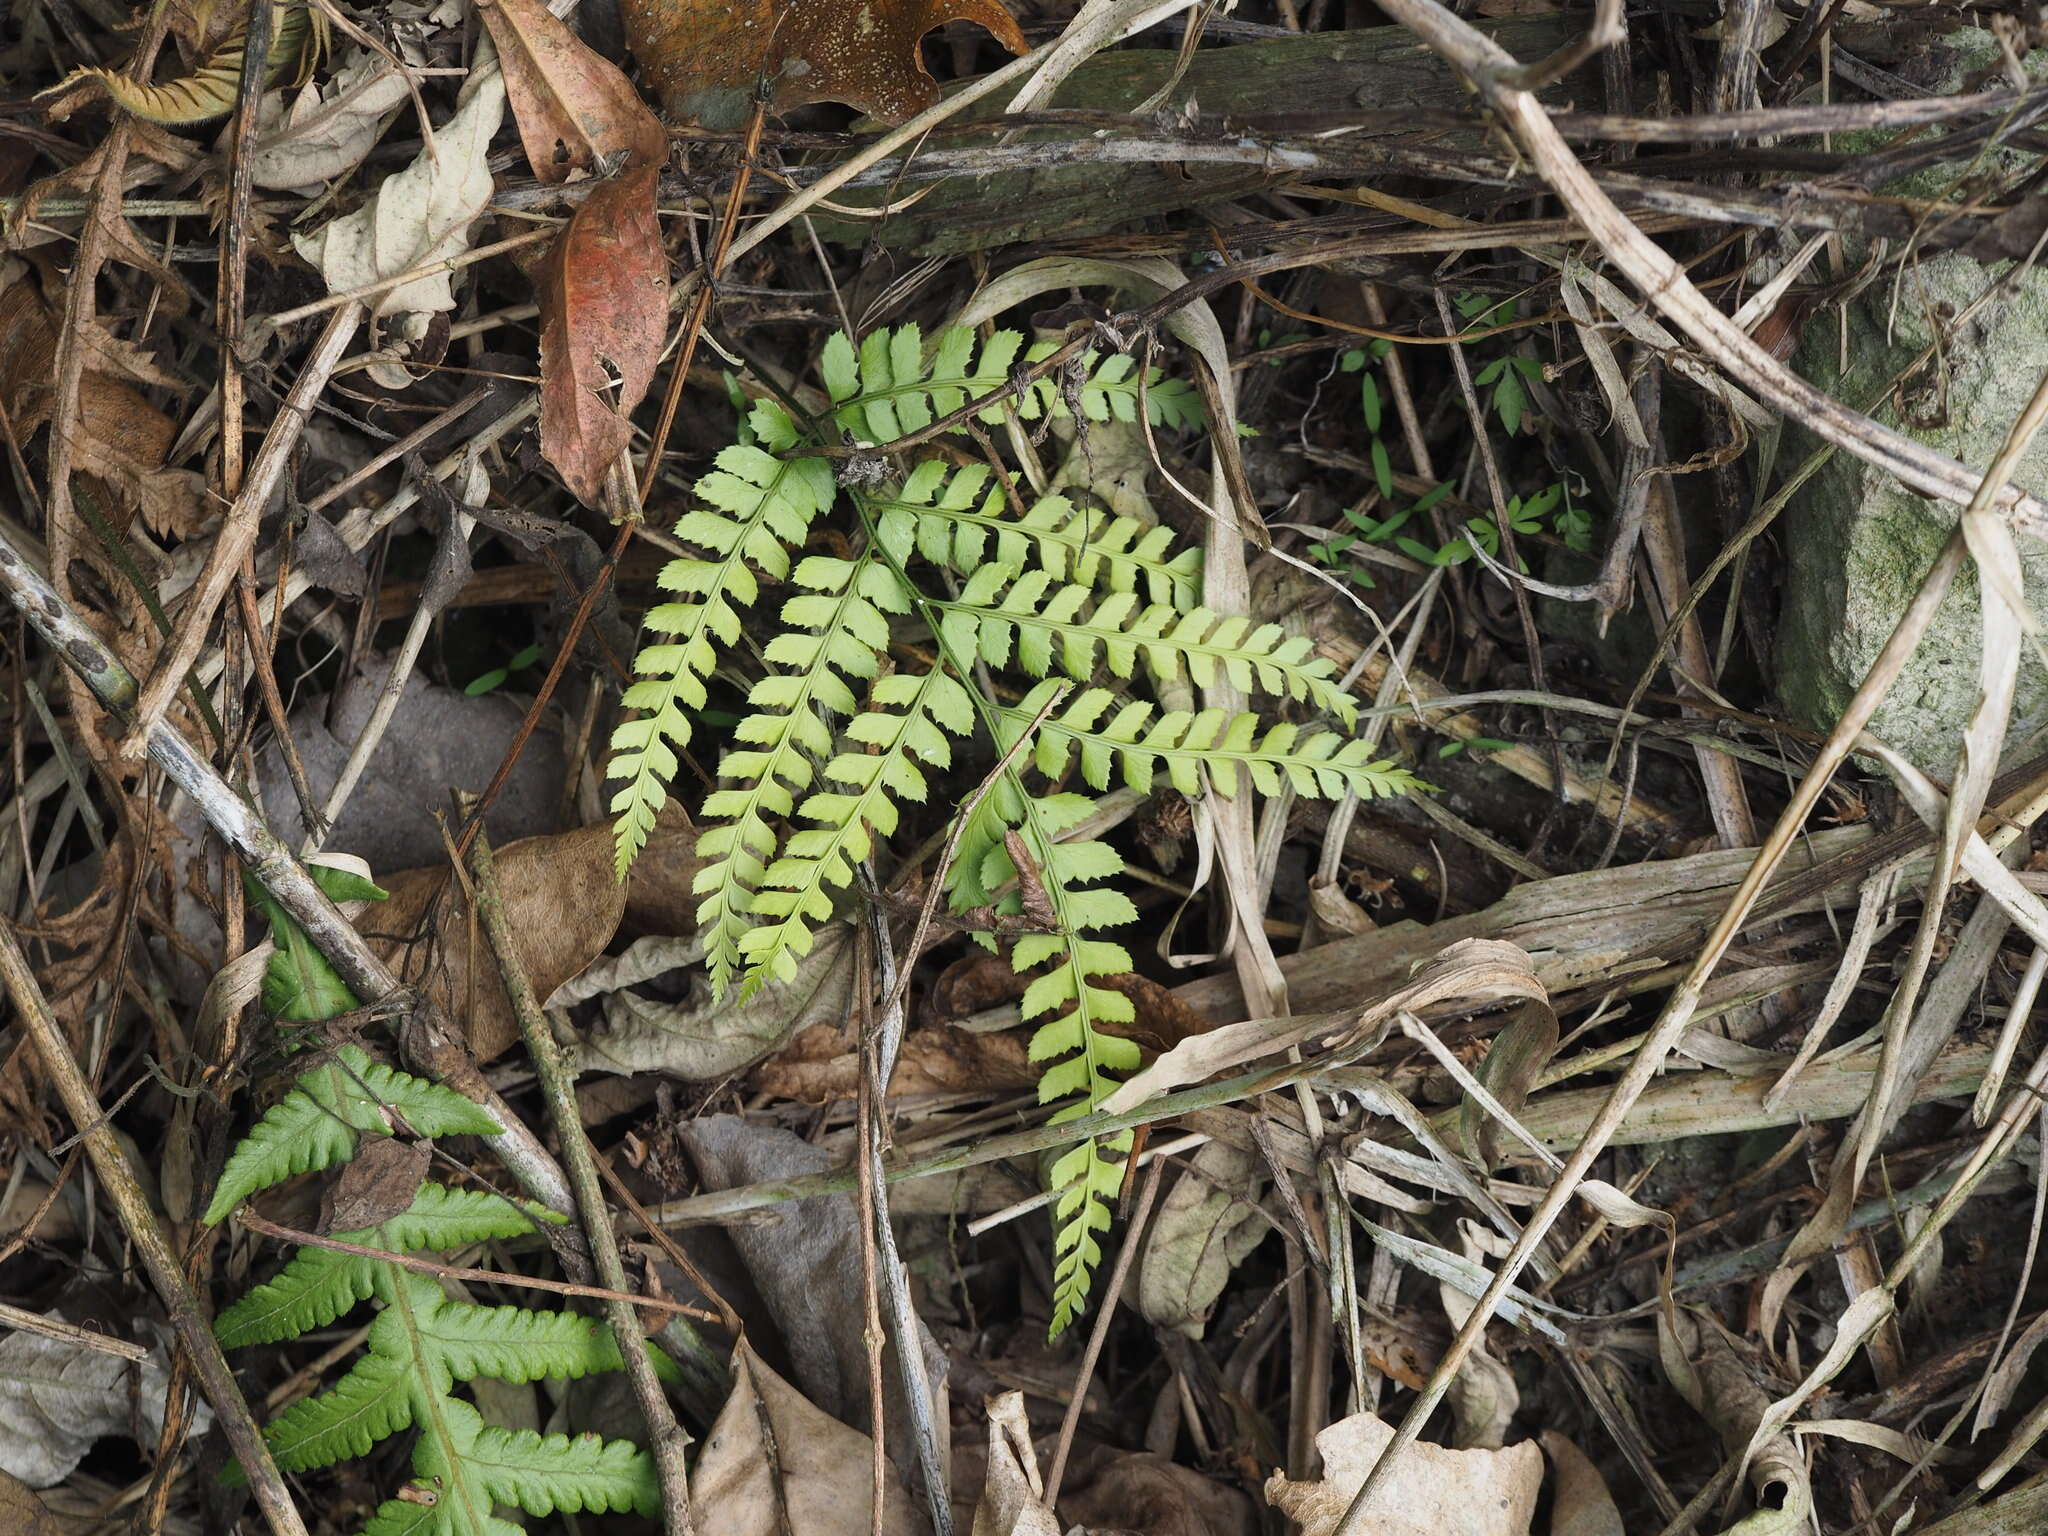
1855 543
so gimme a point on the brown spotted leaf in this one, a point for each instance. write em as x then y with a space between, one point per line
377 1184
705 58
576 111
604 309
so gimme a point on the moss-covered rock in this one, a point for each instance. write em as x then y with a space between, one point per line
1855 542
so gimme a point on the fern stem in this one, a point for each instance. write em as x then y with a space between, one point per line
558 1086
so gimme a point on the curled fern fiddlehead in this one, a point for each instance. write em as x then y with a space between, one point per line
873 682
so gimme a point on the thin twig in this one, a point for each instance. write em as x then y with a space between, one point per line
425 1037
245 1216
1134 1234
558 1090
238 530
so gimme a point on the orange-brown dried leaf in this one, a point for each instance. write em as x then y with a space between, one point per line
576 110
118 438
704 58
604 310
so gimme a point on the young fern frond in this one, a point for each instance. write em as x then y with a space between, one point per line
422 1343
888 388
1032 622
1133 745
874 672
907 724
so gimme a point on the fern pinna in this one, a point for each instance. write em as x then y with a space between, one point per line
874 671
422 1342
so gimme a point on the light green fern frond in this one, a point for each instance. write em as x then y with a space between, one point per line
959 518
888 388
1138 740
315 1125
907 724
1080 1056
838 632
856 710
760 508
1040 625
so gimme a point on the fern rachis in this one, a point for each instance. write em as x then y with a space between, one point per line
422 1344
880 650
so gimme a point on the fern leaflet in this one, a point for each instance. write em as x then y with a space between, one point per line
761 508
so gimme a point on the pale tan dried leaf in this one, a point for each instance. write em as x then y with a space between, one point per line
1472 970
330 127
1580 1504
1013 1496
21 1512
773 1463
1432 1491
423 213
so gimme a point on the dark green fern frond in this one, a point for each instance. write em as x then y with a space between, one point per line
320 1284
422 1343
315 1125
485 1466
372 1402
1108 391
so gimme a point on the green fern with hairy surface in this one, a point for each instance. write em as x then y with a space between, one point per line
941 575
422 1343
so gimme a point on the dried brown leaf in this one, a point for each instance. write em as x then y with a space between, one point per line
564 905
375 1185
822 1065
704 57
604 311
119 438
576 111
775 1463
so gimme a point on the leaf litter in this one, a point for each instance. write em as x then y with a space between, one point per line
1473 1134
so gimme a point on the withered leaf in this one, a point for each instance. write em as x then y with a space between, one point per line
576 111
375 1185
118 437
705 57
604 310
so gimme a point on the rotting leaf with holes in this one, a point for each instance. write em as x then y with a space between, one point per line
604 309
704 57
575 109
